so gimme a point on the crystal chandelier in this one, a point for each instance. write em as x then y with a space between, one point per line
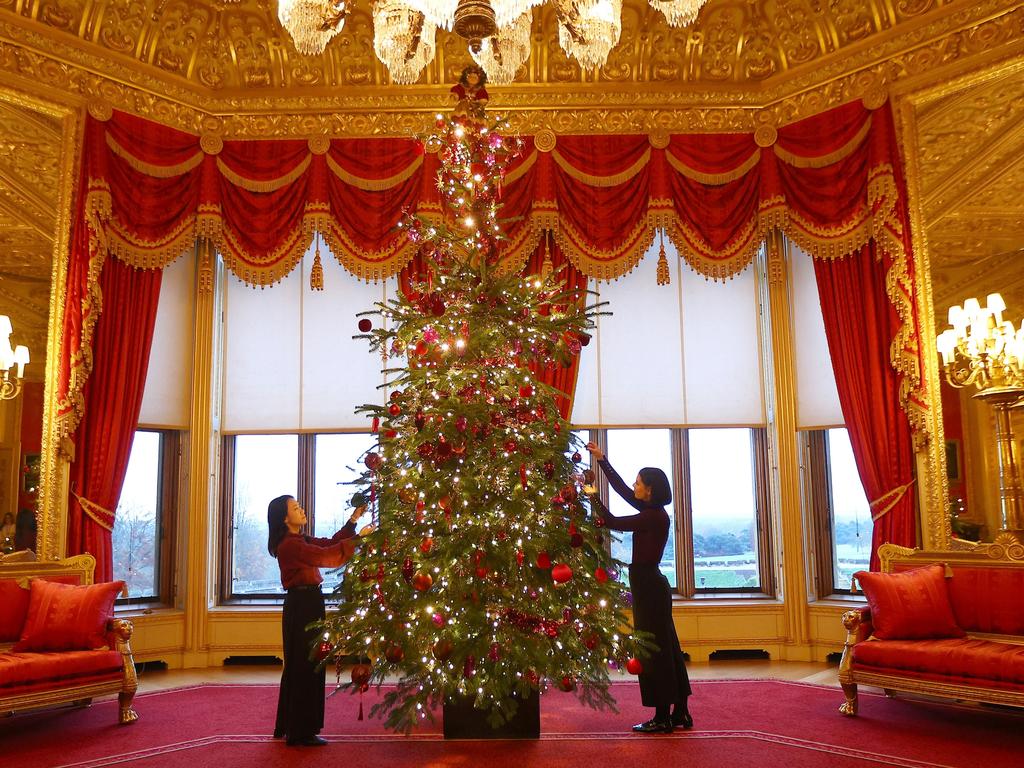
17 358
312 23
498 31
984 351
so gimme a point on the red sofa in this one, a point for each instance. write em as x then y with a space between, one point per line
59 640
974 653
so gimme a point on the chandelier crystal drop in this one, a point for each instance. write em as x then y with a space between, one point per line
403 39
312 23
498 31
502 55
678 13
589 29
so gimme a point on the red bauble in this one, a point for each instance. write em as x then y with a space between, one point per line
526 391
590 640
426 544
481 571
394 409
426 450
543 560
575 540
634 667
442 650
584 338
360 675
438 619
445 502
373 461
323 650
461 422
421 582
601 575
567 684
520 557
495 652
561 573
422 347
549 469
577 458
510 445
365 325
394 654
396 395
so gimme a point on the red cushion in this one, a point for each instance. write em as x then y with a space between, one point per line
30 668
66 618
13 609
909 605
954 657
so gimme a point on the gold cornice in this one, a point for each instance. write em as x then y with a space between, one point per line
894 46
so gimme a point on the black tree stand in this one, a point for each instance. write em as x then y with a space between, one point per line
463 721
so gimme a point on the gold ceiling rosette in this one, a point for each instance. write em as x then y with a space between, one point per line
497 31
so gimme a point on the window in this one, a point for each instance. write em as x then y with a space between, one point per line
718 534
316 469
145 519
841 517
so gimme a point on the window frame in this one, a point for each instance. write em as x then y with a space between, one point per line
305 494
167 500
683 508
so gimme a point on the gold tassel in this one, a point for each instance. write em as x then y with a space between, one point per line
663 274
547 267
316 274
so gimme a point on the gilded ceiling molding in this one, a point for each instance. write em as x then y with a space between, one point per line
861 61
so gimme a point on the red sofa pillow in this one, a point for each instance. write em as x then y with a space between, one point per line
13 609
910 605
66 618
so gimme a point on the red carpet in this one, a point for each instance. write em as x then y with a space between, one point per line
738 723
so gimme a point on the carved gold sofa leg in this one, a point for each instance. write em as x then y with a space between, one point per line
122 630
849 707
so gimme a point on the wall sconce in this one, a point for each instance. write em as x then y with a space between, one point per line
10 386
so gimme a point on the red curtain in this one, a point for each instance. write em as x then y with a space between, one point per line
113 399
859 321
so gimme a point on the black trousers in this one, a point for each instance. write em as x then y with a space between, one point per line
300 705
663 680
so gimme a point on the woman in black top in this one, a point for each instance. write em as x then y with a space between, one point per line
663 681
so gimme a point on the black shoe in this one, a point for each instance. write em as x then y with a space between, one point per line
279 734
307 741
682 720
654 726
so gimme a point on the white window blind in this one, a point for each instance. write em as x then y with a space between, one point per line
817 398
290 361
686 353
166 399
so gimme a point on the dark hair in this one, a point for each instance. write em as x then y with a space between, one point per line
277 511
661 489
476 68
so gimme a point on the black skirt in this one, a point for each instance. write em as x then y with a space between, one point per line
300 704
663 680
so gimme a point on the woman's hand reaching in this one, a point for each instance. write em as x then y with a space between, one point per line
596 452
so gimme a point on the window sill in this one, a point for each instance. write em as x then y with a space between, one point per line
131 610
839 600
734 600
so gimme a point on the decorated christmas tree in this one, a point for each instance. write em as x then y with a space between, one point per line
487 577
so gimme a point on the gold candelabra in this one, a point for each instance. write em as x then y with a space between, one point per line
17 358
983 350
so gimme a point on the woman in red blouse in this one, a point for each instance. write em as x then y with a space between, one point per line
300 705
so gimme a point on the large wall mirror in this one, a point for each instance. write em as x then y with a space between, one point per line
32 139
970 140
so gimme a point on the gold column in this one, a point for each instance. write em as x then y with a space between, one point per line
202 458
1011 498
781 399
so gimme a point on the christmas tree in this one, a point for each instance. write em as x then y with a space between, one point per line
486 577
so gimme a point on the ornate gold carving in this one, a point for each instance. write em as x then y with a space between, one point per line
545 140
765 135
100 110
319 145
659 138
875 97
211 143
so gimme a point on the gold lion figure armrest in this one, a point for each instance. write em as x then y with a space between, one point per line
120 631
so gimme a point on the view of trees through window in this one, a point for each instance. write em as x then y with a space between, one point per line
851 515
136 537
723 507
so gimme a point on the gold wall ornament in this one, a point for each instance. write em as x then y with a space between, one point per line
875 97
765 135
100 109
319 145
211 143
545 140
659 138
